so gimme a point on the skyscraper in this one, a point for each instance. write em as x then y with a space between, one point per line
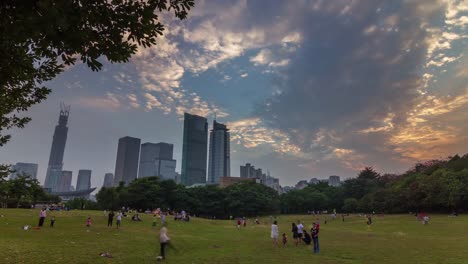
84 180
65 181
108 180
54 169
24 168
126 164
194 150
156 160
219 164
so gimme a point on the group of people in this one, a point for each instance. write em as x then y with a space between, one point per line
299 233
118 218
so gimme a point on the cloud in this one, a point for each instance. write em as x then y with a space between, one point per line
364 72
111 102
243 75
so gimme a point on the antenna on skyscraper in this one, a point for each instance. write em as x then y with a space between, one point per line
64 109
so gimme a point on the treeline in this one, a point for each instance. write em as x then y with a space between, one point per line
436 186
22 192
243 199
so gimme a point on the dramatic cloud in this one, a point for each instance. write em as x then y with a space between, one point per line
362 88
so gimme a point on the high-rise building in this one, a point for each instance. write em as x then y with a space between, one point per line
84 180
156 160
219 164
54 169
249 171
194 150
108 180
334 181
126 164
65 181
22 168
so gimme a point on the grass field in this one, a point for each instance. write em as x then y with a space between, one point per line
391 239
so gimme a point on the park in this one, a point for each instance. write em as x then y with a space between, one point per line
390 239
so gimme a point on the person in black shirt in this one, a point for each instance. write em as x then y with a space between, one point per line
110 219
315 238
295 234
307 239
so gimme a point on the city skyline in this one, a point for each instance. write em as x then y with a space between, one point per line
335 87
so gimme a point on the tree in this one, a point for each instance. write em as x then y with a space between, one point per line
108 198
40 38
350 205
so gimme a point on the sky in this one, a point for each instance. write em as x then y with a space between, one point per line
308 89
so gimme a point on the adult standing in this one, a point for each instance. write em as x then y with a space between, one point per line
110 219
163 240
314 232
42 216
274 233
294 232
119 219
300 231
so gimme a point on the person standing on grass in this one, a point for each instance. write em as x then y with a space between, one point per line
300 231
163 241
42 216
88 222
294 232
314 232
274 233
285 239
110 219
52 221
119 219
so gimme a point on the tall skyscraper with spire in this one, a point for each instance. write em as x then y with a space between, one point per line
54 169
219 163
194 150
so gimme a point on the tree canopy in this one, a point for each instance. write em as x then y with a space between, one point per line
39 38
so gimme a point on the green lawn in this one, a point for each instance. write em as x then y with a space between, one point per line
391 239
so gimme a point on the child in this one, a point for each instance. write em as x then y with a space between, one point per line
154 220
52 221
88 222
238 223
285 239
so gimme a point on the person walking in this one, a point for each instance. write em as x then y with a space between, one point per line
110 218
274 233
163 240
42 216
314 232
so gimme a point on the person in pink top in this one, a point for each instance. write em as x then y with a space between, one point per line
88 222
42 216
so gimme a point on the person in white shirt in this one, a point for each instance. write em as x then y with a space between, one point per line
119 219
274 233
300 231
163 240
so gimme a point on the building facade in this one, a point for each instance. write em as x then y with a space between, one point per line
54 169
65 181
21 168
108 180
219 162
156 160
334 181
249 171
194 150
84 180
126 164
